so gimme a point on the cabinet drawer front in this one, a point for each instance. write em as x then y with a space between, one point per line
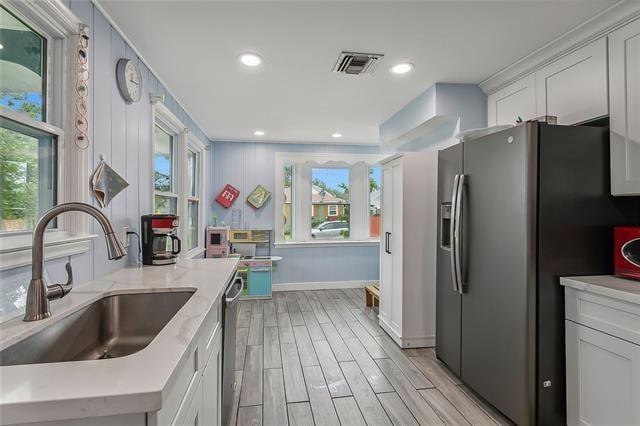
611 316
574 88
603 378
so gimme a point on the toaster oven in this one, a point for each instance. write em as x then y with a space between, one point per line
627 251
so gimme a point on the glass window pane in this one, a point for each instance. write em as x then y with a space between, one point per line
286 208
165 205
22 59
192 171
28 170
330 203
375 185
192 224
163 160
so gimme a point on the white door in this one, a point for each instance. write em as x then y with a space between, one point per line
386 265
574 88
194 413
212 385
624 87
396 249
517 100
603 378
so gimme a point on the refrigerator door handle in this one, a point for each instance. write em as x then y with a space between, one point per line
458 231
452 232
389 242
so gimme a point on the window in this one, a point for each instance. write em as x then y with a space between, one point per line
194 194
325 198
375 183
178 186
330 203
164 146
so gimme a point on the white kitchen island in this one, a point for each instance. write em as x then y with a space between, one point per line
163 383
603 350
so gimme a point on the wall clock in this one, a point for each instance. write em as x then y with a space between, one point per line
129 80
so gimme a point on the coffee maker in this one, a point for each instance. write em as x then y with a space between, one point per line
160 243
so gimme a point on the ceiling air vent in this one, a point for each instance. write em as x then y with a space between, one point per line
354 63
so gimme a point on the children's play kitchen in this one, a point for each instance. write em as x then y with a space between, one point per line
253 246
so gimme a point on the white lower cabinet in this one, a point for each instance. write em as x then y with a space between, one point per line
603 378
212 385
603 359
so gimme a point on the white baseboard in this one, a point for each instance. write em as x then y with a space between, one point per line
411 341
321 285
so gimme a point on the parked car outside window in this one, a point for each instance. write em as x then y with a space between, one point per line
331 229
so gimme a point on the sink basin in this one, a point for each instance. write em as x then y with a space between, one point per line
111 327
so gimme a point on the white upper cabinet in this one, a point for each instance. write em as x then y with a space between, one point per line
515 100
624 86
574 87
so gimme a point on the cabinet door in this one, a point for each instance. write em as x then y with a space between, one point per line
194 413
396 249
260 279
516 100
574 88
603 378
212 386
386 264
624 84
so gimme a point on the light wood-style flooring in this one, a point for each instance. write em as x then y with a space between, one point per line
320 358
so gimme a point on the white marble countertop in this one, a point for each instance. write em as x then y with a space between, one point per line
606 285
132 384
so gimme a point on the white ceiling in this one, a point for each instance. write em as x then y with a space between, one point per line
194 46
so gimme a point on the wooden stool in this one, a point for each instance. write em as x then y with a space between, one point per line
372 295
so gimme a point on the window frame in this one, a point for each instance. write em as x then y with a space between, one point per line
196 146
334 208
59 27
301 204
175 179
184 140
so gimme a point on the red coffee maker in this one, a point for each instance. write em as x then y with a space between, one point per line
626 251
160 242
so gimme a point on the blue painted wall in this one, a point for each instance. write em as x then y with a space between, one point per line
122 133
246 165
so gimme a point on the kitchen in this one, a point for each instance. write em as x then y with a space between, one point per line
478 175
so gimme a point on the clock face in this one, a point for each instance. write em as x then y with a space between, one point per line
129 80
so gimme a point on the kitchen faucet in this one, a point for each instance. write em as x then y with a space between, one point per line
39 293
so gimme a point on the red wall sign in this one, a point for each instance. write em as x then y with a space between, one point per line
228 195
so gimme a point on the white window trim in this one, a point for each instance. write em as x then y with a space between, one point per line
198 147
59 26
301 196
184 140
334 208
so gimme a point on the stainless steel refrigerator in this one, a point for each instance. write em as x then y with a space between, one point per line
517 210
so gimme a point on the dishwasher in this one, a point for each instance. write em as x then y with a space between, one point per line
229 317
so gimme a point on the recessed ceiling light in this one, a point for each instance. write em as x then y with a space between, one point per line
250 59
259 133
1 46
336 135
402 68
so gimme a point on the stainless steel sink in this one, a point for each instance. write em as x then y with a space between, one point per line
111 327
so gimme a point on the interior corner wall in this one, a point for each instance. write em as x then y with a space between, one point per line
120 132
246 165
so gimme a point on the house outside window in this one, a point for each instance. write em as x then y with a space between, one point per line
325 198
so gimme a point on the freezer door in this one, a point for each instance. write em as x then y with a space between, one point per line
496 210
447 297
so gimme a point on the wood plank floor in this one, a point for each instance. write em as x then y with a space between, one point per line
320 358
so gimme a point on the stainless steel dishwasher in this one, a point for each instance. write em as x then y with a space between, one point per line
229 317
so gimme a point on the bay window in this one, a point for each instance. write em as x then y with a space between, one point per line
326 198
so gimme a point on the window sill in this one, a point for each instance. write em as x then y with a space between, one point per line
326 243
15 250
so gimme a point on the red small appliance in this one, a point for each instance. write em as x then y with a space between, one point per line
627 251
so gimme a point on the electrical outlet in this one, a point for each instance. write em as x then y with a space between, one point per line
126 240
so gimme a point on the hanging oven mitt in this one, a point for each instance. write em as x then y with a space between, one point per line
106 183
